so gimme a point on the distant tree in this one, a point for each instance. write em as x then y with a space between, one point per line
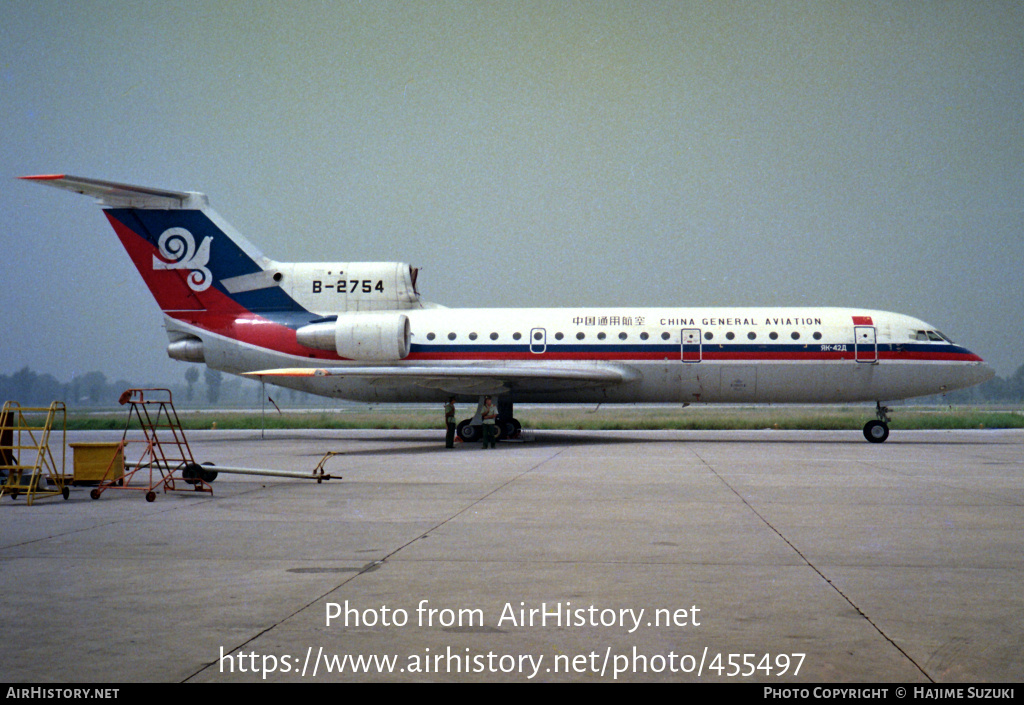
74 390
191 376
1015 384
48 390
21 386
94 387
213 380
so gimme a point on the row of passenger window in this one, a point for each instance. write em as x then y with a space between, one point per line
537 335
795 335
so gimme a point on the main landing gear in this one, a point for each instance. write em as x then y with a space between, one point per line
878 430
508 426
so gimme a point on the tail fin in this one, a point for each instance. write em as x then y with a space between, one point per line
189 257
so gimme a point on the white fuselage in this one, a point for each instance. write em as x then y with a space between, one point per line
686 355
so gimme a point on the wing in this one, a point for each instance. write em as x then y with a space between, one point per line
473 379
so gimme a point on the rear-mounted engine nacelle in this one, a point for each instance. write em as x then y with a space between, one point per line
187 350
360 336
347 287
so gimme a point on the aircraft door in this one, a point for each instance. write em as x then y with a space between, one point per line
538 340
865 344
690 345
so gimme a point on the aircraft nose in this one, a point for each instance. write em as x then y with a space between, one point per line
984 372
979 372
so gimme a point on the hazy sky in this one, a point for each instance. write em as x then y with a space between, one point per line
865 154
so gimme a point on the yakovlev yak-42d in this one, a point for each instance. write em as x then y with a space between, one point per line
359 330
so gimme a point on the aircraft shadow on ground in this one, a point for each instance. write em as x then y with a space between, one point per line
414 442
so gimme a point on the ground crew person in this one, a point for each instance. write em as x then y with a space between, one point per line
489 428
449 422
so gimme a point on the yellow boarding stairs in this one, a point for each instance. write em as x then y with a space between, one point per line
25 455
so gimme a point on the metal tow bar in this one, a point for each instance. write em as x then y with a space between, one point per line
318 473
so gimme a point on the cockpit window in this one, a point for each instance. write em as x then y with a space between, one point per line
930 336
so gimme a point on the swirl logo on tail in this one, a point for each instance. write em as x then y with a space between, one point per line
178 248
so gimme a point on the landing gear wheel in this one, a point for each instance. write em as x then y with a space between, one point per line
509 428
95 494
876 431
151 496
65 492
467 432
190 473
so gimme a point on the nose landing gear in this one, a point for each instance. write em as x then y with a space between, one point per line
878 430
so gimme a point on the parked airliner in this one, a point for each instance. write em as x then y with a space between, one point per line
360 330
